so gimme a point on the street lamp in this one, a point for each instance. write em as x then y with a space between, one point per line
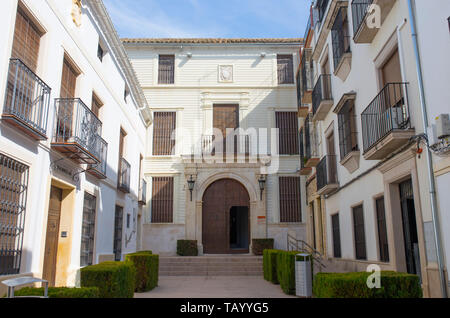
262 184
191 184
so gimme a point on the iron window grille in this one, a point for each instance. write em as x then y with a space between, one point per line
348 136
162 200
118 225
322 6
88 230
166 69
360 236
307 72
27 98
285 69
290 200
359 13
13 197
336 236
340 36
383 244
143 192
124 176
287 123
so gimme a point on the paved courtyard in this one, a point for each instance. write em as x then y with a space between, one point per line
214 287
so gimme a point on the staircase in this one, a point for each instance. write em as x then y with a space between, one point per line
223 265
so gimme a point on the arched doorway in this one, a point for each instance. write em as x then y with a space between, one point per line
226 218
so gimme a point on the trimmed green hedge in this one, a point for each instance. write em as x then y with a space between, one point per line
354 285
187 248
113 279
60 292
270 265
286 271
147 270
259 245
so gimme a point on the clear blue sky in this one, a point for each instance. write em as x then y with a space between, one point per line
209 18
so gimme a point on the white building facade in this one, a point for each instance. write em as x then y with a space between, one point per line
196 85
71 137
365 104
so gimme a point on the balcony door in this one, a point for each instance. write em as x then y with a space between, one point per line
226 117
391 77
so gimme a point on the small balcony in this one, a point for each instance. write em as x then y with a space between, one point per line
27 100
304 171
77 131
327 179
386 124
99 170
143 192
322 97
307 77
123 183
363 30
311 156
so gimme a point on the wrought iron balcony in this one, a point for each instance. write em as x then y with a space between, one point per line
99 170
123 183
311 158
77 131
27 101
362 32
143 192
234 145
307 76
327 179
304 171
386 124
322 97
322 8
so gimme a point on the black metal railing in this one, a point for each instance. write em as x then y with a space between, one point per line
299 90
359 13
327 172
307 71
143 192
27 97
387 112
233 144
339 36
307 126
322 91
322 6
76 123
124 176
302 149
101 166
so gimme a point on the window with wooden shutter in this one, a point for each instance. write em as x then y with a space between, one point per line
96 105
162 200
290 203
359 233
285 69
287 123
163 126
26 42
88 230
68 80
383 244
336 236
166 69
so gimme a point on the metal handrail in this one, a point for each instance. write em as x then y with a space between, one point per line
300 247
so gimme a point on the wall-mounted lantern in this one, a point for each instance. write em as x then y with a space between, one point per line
262 184
191 184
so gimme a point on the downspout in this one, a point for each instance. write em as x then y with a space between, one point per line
428 157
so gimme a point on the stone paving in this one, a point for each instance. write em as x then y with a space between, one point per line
214 287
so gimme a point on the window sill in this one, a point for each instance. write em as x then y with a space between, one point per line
344 67
351 161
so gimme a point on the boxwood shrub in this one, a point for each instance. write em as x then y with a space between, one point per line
286 271
270 265
60 292
354 285
259 245
187 248
113 279
147 269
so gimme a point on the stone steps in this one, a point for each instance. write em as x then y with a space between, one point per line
211 266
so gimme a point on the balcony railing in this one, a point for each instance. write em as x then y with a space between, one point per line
143 192
99 169
123 183
27 100
307 74
386 113
327 172
311 157
77 131
237 145
322 92
359 13
322 8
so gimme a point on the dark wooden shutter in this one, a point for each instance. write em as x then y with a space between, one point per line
166 69
290 207
163 126
336 236
360 236
162 200
26 41
68 80
285 69
96 105
382 231
287 123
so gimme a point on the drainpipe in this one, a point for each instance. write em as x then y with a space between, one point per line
429 158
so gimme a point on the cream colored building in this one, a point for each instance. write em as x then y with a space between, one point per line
195 85
365 107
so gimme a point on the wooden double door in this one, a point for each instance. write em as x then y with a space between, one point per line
226 218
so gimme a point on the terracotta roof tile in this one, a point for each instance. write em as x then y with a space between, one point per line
211 41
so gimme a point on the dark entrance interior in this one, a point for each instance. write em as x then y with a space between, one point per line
225 218
239 228
410 228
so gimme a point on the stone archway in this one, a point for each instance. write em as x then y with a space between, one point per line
226 218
